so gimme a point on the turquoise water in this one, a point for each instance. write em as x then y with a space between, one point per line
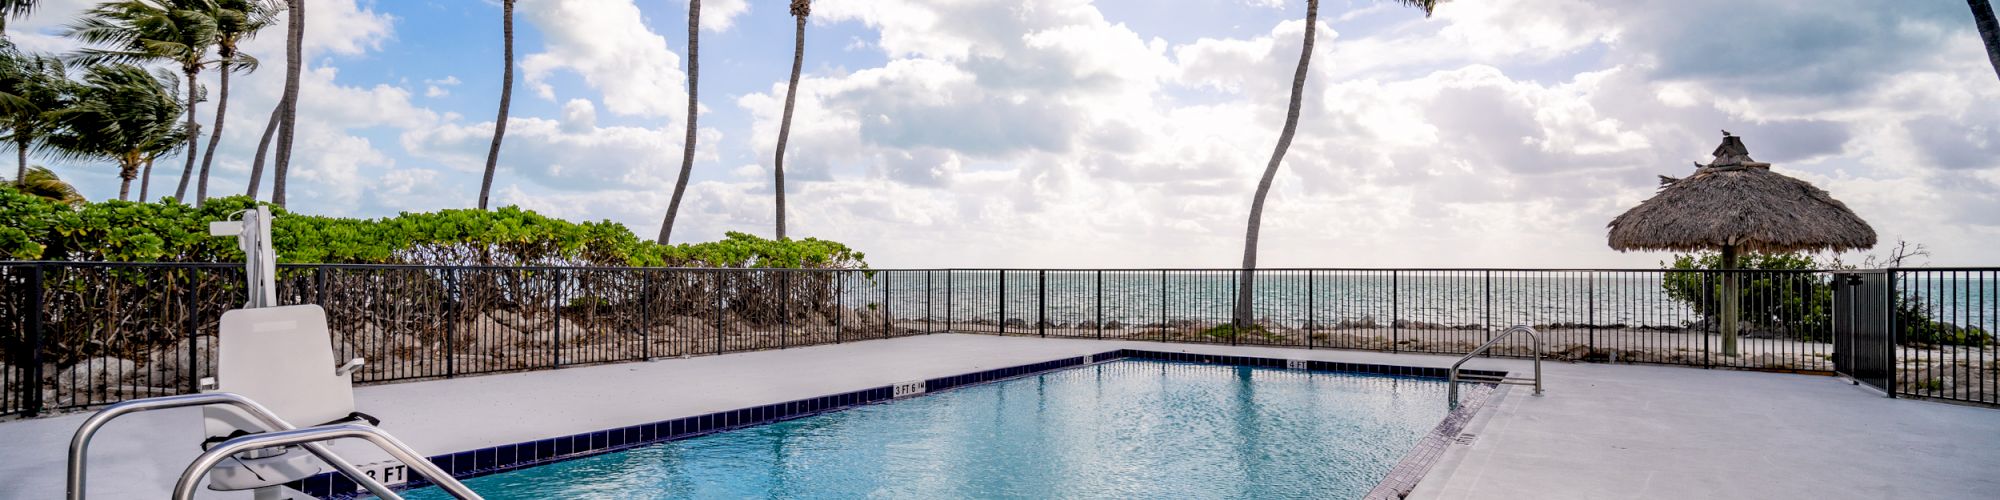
1125 429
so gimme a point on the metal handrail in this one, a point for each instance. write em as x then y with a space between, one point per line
1453 375
185 487
79 445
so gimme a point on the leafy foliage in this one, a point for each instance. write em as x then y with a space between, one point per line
32 228
1778 295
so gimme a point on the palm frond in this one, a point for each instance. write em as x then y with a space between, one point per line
1429 6
42 182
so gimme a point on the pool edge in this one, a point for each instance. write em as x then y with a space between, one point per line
517 456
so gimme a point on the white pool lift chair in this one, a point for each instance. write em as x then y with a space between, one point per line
275 372
281 357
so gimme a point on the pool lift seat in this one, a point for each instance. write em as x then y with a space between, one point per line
274 366
280 357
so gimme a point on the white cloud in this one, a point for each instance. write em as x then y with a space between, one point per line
607 43
719 15
1447 138
1045 132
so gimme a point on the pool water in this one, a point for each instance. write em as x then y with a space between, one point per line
1124 429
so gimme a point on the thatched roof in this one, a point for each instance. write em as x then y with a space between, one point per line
1735 200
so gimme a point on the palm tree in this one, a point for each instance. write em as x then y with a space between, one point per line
288 106
264 145
687 145
162 146
142 31
1244 305
31 86
506 97
39 181
800 10
1989 30
122 114
235 21
10 9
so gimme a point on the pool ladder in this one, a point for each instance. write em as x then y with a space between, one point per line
280 434
1535 381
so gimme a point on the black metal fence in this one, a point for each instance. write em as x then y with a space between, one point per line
84 334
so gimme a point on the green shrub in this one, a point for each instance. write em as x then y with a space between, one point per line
32 228
1798 304
1783 300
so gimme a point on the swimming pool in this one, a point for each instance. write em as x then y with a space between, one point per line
1126 428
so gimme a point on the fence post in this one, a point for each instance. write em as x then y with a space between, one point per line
193 310
1590 291
887 325
839 306
929 295
948 292
1235 290
451 324
557 341
1890 338
1395 311
645 315
715 287
1310 316
1003 301
1042 302
32 388
1488 287
785 309
1163 305
1708 297
1100 304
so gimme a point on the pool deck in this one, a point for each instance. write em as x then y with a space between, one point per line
1622 431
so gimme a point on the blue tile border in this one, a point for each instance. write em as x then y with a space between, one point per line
509 457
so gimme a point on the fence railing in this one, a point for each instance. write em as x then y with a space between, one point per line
85 334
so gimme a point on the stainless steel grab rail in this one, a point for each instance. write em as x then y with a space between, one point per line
185 487
79 444
1500 380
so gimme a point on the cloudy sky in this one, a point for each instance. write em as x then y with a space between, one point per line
1130 133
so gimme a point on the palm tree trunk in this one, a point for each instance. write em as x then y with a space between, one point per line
785 125
1989 31
145 181
687 145
215 136
295 33
1244 288
128 168
263 145
506 97
187 172
21 152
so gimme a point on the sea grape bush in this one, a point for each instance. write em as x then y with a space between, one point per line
32 228
1779 296
596 278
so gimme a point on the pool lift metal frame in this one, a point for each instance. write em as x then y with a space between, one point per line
253 234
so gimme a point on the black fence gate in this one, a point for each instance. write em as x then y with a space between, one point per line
1862 347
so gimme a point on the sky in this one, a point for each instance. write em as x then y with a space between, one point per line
1130 133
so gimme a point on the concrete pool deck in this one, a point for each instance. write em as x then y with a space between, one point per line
1623 431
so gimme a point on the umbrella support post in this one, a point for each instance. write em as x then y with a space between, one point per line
1732 294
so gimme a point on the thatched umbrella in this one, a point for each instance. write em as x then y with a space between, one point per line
1736 204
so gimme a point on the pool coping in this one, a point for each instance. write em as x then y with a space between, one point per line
511 457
